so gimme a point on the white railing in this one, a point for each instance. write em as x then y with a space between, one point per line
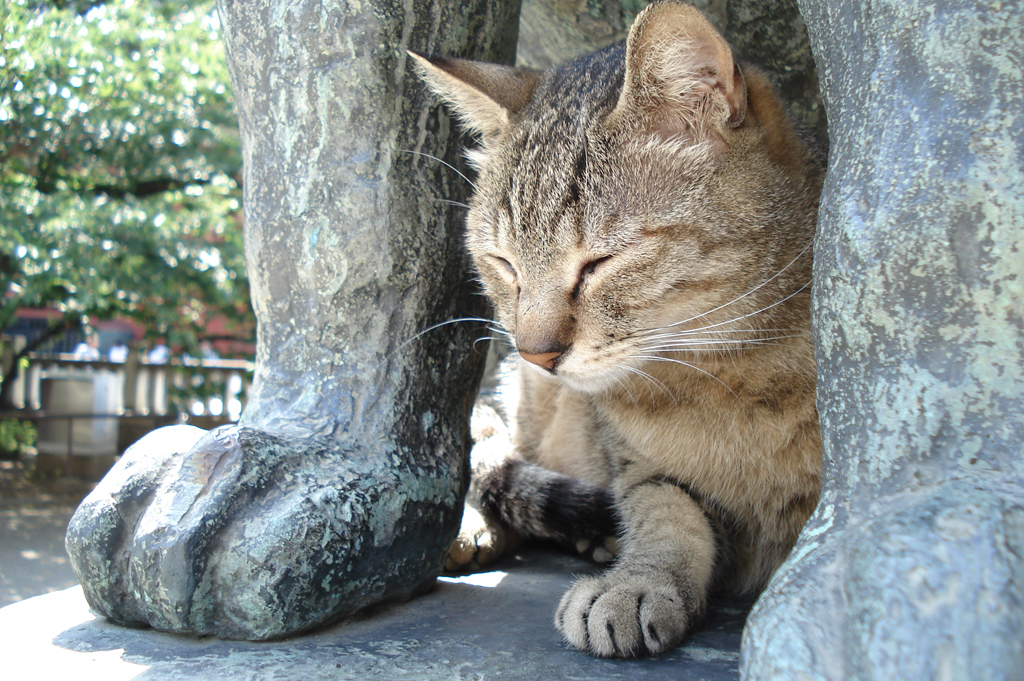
208 387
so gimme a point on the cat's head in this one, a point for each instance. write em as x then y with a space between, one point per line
637 204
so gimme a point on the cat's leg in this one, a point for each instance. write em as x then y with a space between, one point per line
482 538
511 499
542 504
658 589
548 482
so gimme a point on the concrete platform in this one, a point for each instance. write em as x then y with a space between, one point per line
491 626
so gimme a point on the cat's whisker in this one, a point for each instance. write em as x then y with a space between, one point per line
443 162
712 354
766 307
722 336
641 374
649 380
699 330
661 358
662 332
505 336
449 202
700 359
710 347
490 339
621 382
699 343
755 312
706 333
750 292
664 388
454 203
710 351
488 324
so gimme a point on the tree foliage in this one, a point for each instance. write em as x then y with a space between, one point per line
119 159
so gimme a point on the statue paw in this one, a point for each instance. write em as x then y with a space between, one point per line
246 535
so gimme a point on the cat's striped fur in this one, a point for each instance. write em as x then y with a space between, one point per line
642 223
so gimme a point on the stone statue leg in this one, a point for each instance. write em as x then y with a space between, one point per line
912 567
342 485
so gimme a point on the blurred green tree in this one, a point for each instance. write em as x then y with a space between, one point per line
119 167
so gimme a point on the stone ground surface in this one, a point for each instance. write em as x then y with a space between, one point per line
491 626
34 513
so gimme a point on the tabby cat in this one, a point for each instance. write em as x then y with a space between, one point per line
642 223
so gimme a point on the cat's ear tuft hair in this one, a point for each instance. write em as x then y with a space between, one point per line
483 96
681 79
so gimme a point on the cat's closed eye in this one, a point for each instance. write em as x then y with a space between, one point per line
592 266
506 268
588 270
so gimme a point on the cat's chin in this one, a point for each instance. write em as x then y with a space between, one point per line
588 382
592 383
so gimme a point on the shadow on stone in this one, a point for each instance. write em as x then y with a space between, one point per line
495 625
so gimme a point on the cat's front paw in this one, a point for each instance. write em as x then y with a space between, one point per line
623 615
481 541
599 549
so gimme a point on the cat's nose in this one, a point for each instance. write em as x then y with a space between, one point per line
541 359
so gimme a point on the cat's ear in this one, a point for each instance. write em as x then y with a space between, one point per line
681 80
484 96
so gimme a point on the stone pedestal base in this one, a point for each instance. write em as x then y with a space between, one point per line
494 625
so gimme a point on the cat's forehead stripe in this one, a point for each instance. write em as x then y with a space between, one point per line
546 166
543 176
544 186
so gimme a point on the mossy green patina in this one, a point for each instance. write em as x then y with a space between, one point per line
911 567
335 492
